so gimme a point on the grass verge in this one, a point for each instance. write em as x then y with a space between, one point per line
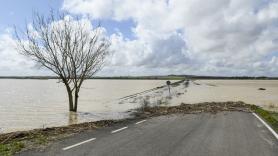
11 148
270 117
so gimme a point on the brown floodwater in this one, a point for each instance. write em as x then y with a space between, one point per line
29 104
234 90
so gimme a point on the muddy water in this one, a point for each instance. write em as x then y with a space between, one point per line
29 104
234 90
217 91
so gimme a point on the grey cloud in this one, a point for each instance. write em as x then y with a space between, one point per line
166 53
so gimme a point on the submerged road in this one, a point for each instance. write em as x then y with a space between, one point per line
222 134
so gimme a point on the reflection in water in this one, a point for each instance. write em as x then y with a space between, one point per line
73 118
186 84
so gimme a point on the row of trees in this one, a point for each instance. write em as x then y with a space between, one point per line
67 46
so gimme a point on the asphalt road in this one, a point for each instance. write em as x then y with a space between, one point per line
223 134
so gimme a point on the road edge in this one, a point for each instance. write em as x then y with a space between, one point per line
266 125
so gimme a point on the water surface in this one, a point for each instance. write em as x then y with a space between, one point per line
29 104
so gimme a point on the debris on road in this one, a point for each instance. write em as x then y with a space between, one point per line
208 107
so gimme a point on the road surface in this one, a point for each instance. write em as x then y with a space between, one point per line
222 134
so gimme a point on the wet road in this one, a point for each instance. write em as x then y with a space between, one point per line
226 133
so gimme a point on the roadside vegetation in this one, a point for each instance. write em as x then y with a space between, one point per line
270 117
10 148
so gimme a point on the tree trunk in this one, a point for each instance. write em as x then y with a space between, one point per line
71 108
75 101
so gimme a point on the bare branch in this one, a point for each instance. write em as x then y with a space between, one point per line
67 46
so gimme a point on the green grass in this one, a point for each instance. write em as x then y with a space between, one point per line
270 117
275 115
40 139
10 148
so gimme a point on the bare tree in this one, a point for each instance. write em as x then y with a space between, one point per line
68 46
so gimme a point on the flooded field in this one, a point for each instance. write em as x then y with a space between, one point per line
234 90
28 104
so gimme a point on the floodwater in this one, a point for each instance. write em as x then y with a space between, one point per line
29 104
234 90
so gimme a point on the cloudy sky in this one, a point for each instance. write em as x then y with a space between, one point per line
157 37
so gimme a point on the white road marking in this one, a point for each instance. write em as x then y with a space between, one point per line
267 126
119 130
83 142
140 122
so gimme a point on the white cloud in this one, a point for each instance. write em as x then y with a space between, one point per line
11 62
234 37
214 37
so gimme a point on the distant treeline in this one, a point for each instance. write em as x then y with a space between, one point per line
161 77
230 77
